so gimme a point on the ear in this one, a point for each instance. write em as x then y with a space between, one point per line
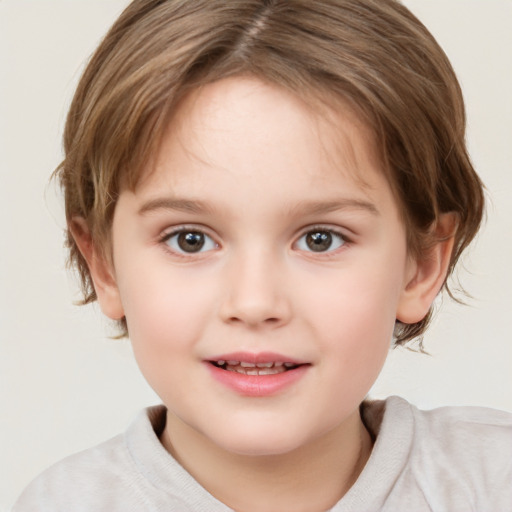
101 271
427 273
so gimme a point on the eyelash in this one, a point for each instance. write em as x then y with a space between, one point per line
166 237
324 229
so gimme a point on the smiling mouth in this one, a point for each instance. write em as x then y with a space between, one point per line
245 368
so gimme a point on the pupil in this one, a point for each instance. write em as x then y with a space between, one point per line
319 241
191 242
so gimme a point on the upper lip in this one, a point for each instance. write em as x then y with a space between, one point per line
256 358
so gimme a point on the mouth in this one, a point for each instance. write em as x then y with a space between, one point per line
247 368
263 374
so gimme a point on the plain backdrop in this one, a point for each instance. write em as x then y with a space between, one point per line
64 385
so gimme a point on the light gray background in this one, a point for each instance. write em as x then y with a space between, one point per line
64 385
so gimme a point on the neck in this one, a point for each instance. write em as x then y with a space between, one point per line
311 478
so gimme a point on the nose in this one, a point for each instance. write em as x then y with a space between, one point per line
255 294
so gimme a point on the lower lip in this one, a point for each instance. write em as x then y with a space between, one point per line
258 385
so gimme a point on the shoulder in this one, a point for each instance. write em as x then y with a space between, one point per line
468 434
94 479
461 454
88 473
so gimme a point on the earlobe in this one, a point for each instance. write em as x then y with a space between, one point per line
426 274
101 271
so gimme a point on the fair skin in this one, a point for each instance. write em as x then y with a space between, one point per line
259 237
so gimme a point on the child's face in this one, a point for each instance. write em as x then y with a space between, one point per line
265 235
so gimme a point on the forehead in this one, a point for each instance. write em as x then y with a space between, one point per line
263 135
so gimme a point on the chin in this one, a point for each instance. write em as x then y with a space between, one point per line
262 448
259 441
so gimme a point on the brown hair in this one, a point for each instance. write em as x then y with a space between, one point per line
372 53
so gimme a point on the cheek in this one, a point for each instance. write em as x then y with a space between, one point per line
361 328
362 305
356 345
166 314
354 321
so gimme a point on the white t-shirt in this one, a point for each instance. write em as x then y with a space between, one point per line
452 459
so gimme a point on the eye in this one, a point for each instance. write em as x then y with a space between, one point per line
320 240
189 242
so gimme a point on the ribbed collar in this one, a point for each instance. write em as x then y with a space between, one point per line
390 422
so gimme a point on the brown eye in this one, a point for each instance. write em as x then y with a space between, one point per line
190 242
320 241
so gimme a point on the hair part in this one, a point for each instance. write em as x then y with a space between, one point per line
373 54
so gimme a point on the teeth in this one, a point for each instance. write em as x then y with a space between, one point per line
270 371
247 368
245 364
258 365
255 371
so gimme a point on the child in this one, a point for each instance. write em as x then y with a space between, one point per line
263 194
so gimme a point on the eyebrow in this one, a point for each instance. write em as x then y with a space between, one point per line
319 207
170 203
303 208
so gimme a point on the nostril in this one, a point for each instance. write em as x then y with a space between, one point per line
266 321
254 309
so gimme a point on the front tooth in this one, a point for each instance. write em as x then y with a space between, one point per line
252 371
264 365
243 364
271 371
